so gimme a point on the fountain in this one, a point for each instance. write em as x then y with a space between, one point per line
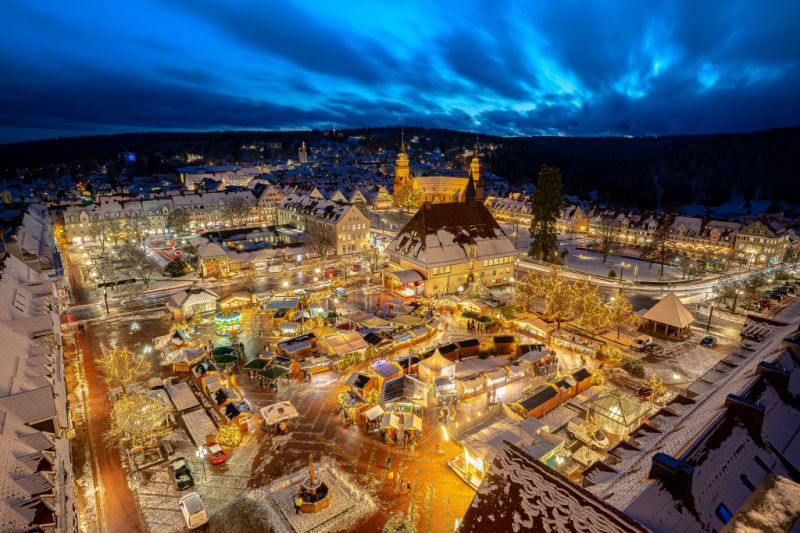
314 492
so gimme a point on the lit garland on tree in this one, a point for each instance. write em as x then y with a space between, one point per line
587 304
121 367
655 384
138 420
229 435
621 312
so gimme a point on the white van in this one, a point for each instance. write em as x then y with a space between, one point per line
194 512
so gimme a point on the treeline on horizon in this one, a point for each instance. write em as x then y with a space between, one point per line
642 172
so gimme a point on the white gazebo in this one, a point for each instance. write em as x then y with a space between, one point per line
192 300
436 366
671 314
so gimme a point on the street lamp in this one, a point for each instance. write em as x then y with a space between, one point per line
736 300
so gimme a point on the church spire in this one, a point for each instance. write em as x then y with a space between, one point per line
469 192
402 141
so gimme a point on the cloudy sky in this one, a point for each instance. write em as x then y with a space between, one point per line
517 68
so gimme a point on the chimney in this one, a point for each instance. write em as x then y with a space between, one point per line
776 375
675 474
749 413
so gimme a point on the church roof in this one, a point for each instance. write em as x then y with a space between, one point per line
440 234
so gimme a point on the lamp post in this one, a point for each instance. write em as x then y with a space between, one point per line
735 300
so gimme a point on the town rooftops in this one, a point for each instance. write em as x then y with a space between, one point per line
522 494
451 233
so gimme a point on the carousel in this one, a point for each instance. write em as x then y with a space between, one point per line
228 323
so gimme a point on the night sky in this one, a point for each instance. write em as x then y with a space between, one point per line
519 68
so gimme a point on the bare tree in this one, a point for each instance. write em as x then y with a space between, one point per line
100 232
136 228
408 198
606 226
139 262
178 220
236 210
322 239
685 263
658 247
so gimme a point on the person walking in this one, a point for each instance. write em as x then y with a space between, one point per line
388 462
408 488
298 503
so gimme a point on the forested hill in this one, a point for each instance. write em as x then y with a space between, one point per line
704 169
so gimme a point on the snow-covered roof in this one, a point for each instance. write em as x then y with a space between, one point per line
521 494
451 233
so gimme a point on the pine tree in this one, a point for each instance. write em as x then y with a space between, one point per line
545 210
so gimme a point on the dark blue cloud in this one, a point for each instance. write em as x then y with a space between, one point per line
558 68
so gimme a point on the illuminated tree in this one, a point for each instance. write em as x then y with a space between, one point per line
229 435
598 378
611 354
121 367
138 420
588 307
408 198
620 312
248 280
655 384
551 288
373 397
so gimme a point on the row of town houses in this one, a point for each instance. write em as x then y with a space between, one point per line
762 240
299 206
37 484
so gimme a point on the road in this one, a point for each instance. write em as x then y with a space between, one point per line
118 511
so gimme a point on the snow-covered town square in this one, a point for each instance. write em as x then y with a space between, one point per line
382 267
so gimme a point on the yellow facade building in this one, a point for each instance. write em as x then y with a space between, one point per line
412 191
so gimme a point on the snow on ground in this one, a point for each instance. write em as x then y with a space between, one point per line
271 508
734 206
592 263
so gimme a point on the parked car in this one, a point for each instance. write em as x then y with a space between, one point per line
216 454
586 433
708 341
194 512
356 267
181 473
642 341
645 394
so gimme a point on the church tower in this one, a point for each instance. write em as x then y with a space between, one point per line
402 171
469 193
302 154
475 175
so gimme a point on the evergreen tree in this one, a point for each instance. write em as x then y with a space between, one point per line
544 212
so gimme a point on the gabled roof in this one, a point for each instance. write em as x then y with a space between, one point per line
446 233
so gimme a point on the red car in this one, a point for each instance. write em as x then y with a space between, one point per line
216 454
